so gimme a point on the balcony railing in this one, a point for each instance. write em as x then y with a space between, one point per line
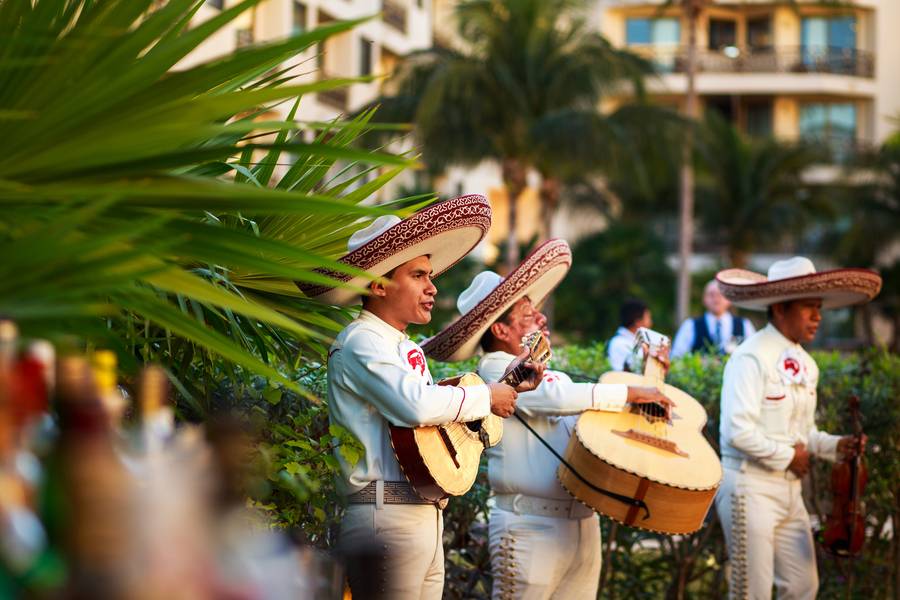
336 98
798 59
394 14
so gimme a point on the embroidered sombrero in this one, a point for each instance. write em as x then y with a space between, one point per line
445 231
797 278
490 295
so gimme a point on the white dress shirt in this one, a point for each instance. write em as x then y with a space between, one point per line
769 402
684 338
520 464
619 349
377 376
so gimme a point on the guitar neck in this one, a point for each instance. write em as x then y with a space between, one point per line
516 375
654 370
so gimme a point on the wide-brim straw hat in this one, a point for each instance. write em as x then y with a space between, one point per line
490 295
796 278
445 231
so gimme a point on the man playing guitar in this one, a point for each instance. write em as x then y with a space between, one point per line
377 376
543 543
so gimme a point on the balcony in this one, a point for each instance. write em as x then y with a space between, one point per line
394 14
336 98
798 59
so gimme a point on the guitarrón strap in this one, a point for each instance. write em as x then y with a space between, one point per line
634 503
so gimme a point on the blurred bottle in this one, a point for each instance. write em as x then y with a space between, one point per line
157 418
22 537
105 364
98 510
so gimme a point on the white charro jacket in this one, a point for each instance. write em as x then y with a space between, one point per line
769 403
378 376
520 464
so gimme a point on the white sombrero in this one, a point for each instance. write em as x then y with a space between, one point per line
797 278
445 231
490 295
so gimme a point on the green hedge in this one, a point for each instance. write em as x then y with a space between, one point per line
636 564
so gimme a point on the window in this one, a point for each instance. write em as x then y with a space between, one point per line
663 35
365 56
826 42
722 33
833 123
657 32
759 119
759 33
299 18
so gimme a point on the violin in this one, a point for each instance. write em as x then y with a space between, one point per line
845 528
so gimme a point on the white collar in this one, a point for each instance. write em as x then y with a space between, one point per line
773 331
386 329
625 332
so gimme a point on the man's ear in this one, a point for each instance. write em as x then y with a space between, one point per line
378 288
499 330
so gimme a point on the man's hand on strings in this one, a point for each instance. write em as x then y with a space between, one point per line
650 395
535 376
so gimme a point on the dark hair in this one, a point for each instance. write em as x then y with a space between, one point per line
631 312
487 339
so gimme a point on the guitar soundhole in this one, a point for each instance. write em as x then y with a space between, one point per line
474 426
652 412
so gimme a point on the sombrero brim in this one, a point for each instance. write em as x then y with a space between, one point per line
445 231
837 288
536 277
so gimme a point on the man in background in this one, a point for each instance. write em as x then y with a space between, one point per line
633 315
718 330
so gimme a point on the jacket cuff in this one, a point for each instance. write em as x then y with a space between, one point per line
609 396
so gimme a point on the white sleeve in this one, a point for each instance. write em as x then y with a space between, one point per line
403 396
821 444
742 394
749 329
618 353
684 339
559 395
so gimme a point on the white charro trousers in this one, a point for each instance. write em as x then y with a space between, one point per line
541 558
769 536
406 538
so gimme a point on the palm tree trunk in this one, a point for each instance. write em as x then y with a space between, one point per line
739 258
686 196
550 193
514 180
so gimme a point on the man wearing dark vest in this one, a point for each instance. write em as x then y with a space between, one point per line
717 330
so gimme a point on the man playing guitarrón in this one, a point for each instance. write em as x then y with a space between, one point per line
378 377
543 543
768 430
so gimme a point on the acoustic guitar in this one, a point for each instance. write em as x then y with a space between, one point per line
443 460
639 468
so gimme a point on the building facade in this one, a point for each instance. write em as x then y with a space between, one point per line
793 70
396 28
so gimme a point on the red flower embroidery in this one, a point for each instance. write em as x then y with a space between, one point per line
792 364
416 360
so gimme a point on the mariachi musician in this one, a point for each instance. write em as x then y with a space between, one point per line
768 430
378 377
543 543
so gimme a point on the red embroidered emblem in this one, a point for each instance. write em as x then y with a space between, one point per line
549 378
416 360
792 364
